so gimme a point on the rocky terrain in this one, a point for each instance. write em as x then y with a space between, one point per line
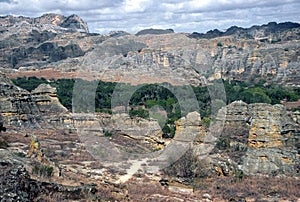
63 44
256 139
248 152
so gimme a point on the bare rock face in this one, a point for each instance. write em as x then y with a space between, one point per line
178 59
20 108
34 42
47 101
155 31
187 128
55 22
16 184
17 106
261 139
75 23
136 128
63 44
273 140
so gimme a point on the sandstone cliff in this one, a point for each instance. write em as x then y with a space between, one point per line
259 139
268 51
245 138
17 106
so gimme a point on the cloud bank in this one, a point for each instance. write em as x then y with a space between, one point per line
103 16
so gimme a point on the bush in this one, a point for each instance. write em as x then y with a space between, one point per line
43 170
3 144
205 121
21 154
140 113
168 131
107 134
223 143
188 166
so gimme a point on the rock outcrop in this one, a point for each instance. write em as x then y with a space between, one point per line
53 22
260 139
188 128
16 184
273 141
20 108
75 23
62 44
34 42
47 101
17 106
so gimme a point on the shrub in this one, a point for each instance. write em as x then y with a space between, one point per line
3 144
107 134
219 44
205 121
43 170
188 166
223 143
21 154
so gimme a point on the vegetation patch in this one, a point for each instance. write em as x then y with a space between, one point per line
43 170
146 97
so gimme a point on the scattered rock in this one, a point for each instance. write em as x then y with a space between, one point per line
207 196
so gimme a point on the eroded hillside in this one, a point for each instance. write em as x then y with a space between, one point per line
237 152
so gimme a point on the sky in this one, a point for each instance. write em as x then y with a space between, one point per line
190 16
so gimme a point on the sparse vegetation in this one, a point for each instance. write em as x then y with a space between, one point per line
3 144
219 44
223 143
107 134
186 167
21 154
42 170
205 121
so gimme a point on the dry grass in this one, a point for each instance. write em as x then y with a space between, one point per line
257 188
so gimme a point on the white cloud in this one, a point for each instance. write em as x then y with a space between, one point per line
181 15
135 5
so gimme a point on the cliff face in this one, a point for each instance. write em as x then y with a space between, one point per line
255 139
17 106
47 101
53 22
261 139
56 42
34 42
104 149
273 144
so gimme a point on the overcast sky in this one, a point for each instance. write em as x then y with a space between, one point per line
103 16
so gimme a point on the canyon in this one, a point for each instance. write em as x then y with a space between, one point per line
52 153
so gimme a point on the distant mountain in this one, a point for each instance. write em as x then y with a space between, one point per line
53 22
62 44
155 31
252 32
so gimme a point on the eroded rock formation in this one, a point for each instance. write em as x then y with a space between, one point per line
261 139
59 43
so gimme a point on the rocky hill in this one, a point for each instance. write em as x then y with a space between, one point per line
63 44
254 139
255 32
49 152
154 31
47 22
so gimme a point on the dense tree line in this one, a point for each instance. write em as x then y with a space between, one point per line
259 92
140 100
